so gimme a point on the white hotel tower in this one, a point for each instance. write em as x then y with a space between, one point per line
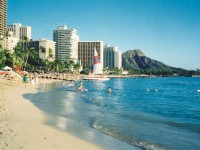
66 43
112 57
20 31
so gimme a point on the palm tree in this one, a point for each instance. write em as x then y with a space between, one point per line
25 38
71 64
50 56
42 51
45 64
76 67
106 70
57 66
67 65
16 61
28 53
3 56
49 66
18 50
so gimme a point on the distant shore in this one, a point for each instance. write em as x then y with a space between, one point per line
22 124
147 76
129 76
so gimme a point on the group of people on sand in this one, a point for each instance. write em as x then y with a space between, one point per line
32 78
60 76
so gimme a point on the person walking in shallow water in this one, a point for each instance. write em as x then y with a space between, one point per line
109 90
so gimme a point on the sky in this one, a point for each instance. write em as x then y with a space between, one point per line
165 30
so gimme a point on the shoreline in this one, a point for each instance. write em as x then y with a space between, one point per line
22 124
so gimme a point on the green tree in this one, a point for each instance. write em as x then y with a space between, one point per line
3 56
76 67
42 52
27 54
50 56
67 65
25 38
57 66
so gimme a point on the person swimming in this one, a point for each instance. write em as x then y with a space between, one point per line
71 83
109 90
81 87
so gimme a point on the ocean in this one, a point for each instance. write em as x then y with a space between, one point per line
140 113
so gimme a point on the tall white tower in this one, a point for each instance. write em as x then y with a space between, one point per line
66 43
112 57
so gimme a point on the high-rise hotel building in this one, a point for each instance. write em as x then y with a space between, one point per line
86 53
66 43
20 31
3 17
112 57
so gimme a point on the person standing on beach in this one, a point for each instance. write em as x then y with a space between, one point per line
36 78
25 79
32 81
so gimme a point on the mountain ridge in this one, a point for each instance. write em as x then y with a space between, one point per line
136 59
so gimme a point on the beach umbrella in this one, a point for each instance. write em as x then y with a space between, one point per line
6 68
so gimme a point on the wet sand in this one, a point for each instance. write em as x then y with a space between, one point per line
22 124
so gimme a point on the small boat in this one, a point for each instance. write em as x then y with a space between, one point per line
97 74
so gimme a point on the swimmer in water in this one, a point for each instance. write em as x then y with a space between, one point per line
109 90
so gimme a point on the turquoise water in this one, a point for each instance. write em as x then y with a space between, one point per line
166 118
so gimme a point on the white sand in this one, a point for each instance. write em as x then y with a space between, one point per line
22 124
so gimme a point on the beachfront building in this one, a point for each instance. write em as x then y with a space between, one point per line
19 31
112 57
66 43
30 44
9 42
86 53
3 17
50 47
47 45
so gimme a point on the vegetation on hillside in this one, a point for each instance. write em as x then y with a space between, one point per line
137 63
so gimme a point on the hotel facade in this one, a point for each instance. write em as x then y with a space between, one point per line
66 43
3 17
9 42
112 57
20 31
47 44
86 53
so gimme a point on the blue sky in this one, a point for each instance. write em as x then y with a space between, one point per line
165 30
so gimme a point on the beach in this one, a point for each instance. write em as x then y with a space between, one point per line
53 116
22 124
